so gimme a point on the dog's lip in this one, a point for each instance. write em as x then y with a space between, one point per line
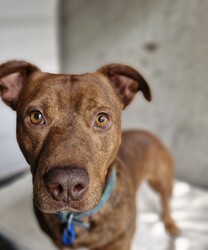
59 210
71 210
74 208
63 207
68 210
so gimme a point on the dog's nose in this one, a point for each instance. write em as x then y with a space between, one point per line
67 183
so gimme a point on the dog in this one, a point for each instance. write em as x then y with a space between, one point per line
85 170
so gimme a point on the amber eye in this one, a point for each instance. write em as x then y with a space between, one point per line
102 120
36 117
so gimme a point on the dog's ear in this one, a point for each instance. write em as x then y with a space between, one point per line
13 76
126 82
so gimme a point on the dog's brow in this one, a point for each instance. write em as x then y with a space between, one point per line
92 103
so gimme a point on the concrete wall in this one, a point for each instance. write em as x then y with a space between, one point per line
28 30
167 41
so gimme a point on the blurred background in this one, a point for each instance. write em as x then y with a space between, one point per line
167 41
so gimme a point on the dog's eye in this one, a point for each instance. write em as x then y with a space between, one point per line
36 117
102 120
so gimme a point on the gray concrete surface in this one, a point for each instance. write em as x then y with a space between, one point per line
167 41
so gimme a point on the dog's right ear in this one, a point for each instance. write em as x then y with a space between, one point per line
13 76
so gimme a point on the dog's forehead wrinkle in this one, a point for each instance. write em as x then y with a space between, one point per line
97 86
91 94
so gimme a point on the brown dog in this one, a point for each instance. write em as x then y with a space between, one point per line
69 130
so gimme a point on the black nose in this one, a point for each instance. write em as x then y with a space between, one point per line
67 183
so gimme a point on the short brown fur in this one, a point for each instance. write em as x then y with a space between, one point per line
69 137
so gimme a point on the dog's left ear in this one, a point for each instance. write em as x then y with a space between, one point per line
126 81
13 76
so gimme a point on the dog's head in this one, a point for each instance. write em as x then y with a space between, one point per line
69 128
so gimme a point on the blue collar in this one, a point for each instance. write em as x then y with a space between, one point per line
75 219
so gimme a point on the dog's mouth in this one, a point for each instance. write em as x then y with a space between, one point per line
49 206
66 189
78 194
